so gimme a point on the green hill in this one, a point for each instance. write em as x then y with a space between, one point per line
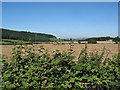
26 36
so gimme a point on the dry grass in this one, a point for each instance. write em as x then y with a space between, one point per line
111 49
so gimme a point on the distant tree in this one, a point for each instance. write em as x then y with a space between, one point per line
92 41
79 41
71 40
23 35
53 39
100 38
60 40
116 40
108 38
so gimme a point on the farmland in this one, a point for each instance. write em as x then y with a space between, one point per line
111 48
60 45
29 69
63 64
60 63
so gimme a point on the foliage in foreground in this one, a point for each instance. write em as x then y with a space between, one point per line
31 69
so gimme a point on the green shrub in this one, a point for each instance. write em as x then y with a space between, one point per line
31 70
116 40
92 41
79 41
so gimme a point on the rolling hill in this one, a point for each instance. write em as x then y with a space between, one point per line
26 36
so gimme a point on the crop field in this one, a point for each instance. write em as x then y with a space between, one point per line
110 48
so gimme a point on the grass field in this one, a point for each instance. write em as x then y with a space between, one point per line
111 49
11 41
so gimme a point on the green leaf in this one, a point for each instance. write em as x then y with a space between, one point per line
13 52
7 76
24 84
11 86
79 84
72 80
50 85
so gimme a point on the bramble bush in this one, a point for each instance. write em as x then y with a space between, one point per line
31 68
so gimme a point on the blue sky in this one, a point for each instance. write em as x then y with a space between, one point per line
62 19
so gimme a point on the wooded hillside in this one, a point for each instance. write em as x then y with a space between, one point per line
25 36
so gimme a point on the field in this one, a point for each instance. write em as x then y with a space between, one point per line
31 70
111 48
11 41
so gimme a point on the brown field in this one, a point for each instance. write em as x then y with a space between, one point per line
111 49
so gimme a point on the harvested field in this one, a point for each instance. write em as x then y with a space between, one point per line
109 42
111 49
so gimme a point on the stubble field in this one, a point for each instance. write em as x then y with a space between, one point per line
111 48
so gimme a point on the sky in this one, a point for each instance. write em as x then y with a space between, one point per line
62 19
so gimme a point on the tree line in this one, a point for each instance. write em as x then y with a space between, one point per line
40 37
94 40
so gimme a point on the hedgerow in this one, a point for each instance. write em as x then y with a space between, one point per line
30 68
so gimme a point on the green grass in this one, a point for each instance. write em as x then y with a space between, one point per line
11 41
5 42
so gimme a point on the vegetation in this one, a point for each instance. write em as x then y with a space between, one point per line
116 40
71 40
16 42
100 38
79 41
30 69
92 41
26 36
11 41
55 40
